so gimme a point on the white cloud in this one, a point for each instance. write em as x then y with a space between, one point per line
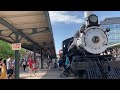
63 16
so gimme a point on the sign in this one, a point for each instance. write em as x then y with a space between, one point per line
16 46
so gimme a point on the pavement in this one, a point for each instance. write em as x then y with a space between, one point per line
53 73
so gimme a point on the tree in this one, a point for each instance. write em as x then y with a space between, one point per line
5 50
23 52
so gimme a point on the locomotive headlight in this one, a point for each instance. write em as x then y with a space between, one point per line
93 18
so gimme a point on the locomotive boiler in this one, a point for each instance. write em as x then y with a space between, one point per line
85 48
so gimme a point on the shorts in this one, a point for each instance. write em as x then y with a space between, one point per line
10 71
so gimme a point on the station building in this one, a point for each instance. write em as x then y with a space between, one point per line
114 35
114 25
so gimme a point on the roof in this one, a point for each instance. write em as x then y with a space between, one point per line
111 20
32 28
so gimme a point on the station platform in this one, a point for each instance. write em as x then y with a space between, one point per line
53 73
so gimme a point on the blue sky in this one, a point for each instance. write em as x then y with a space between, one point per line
66 23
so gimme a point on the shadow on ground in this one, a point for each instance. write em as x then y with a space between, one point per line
53 73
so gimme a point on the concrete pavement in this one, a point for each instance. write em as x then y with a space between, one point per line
45 74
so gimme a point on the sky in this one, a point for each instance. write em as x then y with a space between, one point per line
66 23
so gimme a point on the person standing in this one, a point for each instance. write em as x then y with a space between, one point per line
24 64
0 64
30 65
3 70
9 67
34 66
60 63
49 64
67 66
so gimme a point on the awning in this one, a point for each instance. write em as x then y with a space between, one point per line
33 28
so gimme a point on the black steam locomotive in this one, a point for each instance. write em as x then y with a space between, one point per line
85 50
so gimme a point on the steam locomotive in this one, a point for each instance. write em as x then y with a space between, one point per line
85 48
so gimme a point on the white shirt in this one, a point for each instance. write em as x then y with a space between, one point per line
24 63
9 62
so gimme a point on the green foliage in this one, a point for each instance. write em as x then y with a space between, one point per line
6 50
23 51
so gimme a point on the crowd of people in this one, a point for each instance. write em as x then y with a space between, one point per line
7 67
30 64
48 63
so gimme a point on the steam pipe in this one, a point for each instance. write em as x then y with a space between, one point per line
87 13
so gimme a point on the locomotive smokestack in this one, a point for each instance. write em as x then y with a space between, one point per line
87 13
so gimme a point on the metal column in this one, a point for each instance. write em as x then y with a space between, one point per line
34 53
41 59
17 60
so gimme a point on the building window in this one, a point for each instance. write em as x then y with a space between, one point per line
114 34
117 26
111 27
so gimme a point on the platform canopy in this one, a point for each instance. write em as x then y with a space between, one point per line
32 27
